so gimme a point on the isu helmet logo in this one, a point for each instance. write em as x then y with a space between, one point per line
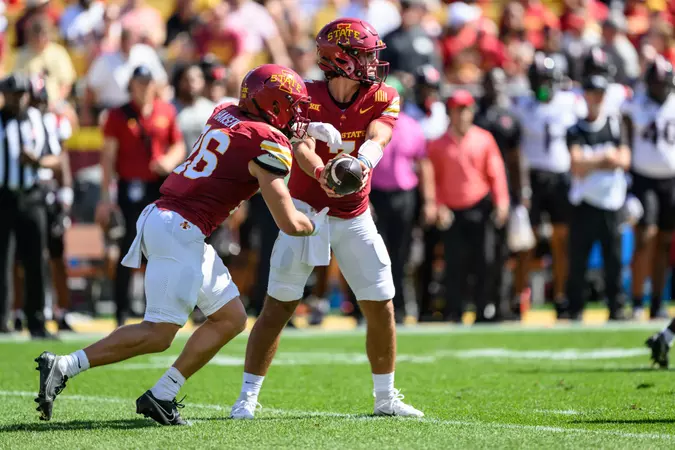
287 82
343 33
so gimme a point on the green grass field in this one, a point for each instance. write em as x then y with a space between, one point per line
479 388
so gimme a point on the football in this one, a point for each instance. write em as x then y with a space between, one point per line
344 175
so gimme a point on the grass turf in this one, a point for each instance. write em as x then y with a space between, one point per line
487 388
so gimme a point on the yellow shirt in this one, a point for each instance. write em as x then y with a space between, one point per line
53 61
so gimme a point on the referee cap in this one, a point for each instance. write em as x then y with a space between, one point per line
15 83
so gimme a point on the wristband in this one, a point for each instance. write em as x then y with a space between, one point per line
318 171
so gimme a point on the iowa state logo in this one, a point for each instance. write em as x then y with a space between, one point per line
287 82
343 33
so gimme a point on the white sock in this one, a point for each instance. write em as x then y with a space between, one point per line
168 386
251 385
668 335
383 384
74 363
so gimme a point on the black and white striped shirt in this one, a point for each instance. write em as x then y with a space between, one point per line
27 133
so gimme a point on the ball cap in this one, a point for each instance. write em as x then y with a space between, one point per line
595 83
461 98
141 73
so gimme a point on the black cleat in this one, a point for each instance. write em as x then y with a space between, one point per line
164 412
660 348
52 382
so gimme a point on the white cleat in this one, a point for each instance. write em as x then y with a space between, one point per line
394 406
245 407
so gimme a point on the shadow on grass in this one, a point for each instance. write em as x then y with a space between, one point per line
78 425
549 370
625 421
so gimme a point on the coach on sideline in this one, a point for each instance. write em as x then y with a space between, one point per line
471 191
142 145
23 150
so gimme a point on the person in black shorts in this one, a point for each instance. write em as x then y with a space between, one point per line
650 118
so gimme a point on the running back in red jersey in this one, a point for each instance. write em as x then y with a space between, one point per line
374 102
215 179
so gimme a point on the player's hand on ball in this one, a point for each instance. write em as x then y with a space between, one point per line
366 173
323 181
324 132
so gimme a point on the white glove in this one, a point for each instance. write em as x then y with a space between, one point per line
324 132
318 219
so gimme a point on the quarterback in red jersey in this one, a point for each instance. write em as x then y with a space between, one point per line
354 100
242 149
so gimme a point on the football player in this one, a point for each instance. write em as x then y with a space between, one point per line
356 101
242 149
546 116
650 120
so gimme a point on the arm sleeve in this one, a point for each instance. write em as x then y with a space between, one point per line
387 105
496 172
52 134
111 127
274 154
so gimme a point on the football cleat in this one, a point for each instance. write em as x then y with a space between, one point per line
660 348
245 407
164 412
394 406
52 382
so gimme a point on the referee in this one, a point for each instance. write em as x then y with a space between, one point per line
599 159
23 224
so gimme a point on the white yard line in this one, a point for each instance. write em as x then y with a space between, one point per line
425 329
310 414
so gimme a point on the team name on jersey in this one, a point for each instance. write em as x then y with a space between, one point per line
344 30
353 134
226 119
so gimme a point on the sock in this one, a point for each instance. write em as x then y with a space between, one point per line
74 363
668 336
383 384
168 386
251 385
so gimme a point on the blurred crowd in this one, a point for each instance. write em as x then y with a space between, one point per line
197 51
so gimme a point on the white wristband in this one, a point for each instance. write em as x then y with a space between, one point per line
370 153
66 195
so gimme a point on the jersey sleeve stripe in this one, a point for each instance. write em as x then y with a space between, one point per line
273 146
277 165
390 114
286 158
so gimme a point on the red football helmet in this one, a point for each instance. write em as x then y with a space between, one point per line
277 95
350 48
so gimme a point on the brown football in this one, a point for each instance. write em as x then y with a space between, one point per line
344 175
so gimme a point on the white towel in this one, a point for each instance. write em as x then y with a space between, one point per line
133 257
316 248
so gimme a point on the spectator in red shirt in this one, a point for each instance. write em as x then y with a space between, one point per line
471 190
142 145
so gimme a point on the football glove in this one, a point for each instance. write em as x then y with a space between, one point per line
324 132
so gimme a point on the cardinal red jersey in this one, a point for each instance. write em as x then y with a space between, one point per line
372 103
215 179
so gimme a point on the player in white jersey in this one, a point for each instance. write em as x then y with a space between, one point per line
651 121
546 116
